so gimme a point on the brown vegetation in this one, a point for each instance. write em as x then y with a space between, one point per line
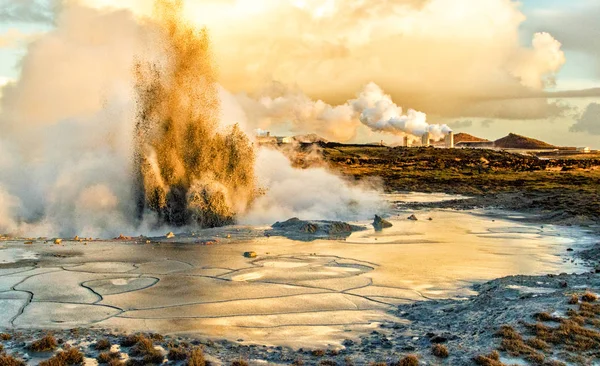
493 359
71 356
327 363
5 337
107 357
177 354
102 345
439 350
7 360
45 344
239 362
196 358
410 360
574 299
145 348
589 297
318 353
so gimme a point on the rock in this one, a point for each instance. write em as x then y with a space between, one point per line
170 235
570 250
76 238
250 254
413 218
57 241
430 219
380 224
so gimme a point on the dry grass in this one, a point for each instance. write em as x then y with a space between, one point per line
589 297
569 334
514 344
196 358
327 363
439 350
574 299
318 353
130 340
71 356
546 317
102 345
145 348
177 354
493 359
7 360
410 360
46 344
106 357
239 362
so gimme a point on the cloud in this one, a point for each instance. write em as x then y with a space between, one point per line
14 38
39 11
437 56
487 123
575 26
589 122
461 124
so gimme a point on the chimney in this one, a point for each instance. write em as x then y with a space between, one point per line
268 133
406 144
449 140
425 139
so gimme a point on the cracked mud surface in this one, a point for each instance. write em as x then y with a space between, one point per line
296 293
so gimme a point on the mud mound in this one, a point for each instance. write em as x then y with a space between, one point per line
297 229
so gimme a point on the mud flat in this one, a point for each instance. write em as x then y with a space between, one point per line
375 296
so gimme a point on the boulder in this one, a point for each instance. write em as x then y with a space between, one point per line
380 224
413 218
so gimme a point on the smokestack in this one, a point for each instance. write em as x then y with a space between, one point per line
425 139
449 140
406 143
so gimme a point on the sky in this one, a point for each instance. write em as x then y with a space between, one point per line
486 67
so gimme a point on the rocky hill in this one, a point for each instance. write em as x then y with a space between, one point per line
465 137
514 141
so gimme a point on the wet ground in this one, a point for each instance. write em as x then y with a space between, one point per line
295 293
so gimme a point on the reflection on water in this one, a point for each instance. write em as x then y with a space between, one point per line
295 292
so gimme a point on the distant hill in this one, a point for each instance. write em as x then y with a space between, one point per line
514 141
465 137
309 138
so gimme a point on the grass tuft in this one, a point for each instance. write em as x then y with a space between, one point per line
196 358
46 344
7 360
71 356
589 297
439 350
410 360
102 345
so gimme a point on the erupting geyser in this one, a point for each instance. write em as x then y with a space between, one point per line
187 171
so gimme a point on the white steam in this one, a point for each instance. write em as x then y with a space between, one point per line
312 193
67 128
372 107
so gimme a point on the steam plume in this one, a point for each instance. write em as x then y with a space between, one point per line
372 107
